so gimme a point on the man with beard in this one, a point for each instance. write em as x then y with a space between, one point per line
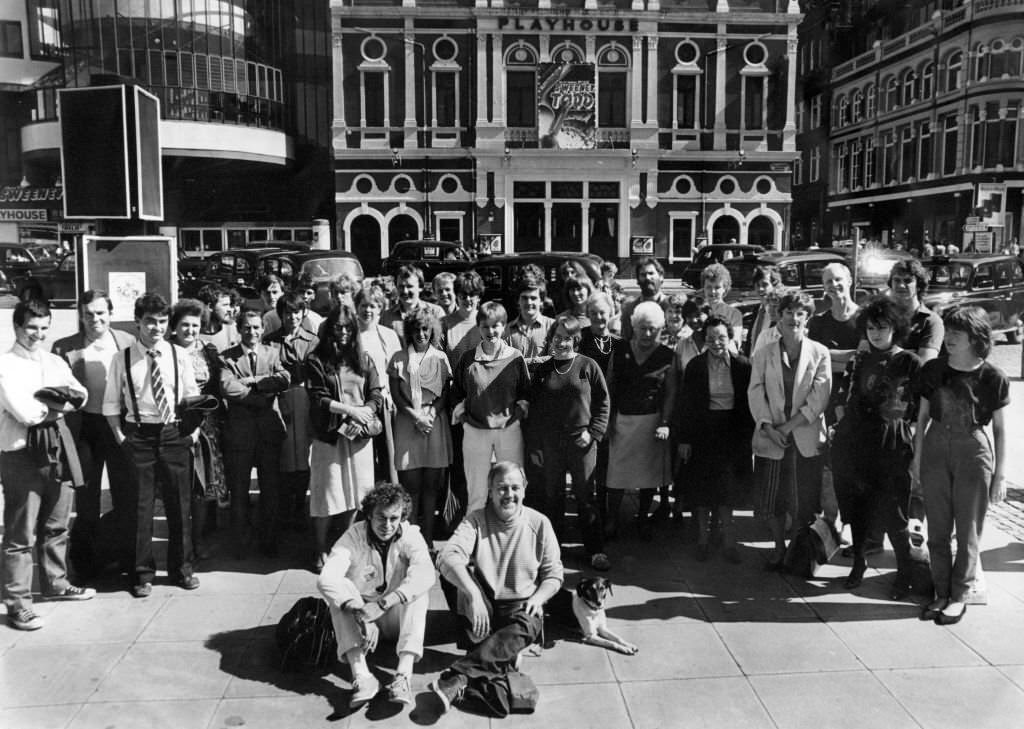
505 563
650 275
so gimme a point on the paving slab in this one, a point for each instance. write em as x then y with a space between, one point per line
695 704
786 647
186 714
120 620
954 698
168 670
41 675
880 644
682 651
195 616
580 706
841 700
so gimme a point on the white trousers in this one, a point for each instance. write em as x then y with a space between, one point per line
404 623
480 448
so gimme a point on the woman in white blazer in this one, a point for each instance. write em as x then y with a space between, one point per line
790 384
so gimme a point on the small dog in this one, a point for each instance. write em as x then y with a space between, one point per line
587 604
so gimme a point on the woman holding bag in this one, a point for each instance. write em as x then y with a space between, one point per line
344 401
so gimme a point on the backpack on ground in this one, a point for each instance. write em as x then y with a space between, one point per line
305 636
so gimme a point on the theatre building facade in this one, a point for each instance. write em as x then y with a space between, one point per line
619 128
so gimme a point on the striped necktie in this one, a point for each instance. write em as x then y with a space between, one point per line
159 394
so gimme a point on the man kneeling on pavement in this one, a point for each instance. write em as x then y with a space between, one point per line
504 561
376 581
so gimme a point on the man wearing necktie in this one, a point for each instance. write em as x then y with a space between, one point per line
251 378
147 381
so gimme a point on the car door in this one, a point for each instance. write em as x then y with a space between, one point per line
984 292
1009 294
63 287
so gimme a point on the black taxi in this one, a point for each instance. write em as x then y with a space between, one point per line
994 282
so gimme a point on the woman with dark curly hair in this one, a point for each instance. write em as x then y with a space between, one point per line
420 375
873 443
344 400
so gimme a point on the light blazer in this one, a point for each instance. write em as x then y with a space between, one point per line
812 387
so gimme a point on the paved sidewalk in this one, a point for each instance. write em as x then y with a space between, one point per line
720 646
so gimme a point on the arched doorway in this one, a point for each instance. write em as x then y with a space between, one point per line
761 232
402 227
726 230
365 236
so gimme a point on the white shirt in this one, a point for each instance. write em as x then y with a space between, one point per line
21 374
117 398
96 359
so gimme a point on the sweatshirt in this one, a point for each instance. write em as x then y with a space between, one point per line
491 386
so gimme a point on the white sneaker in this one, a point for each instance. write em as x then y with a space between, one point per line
364 688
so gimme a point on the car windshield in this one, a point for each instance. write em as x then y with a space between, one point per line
742 273
949 275
321 269
42 253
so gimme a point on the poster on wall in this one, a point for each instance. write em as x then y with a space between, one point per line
124 287
566 105
991 202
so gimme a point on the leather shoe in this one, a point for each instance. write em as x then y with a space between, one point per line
951 617
933 609
144 589
188 582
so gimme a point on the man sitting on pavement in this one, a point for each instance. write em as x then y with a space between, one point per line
505 562
376 581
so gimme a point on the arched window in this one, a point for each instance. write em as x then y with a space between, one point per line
909 80
612 86
892 94
755 86
521 85
1015 58
869 101
843 107
998 60
954 70
857 106
686 91
981 62
927 81
566 53
374 89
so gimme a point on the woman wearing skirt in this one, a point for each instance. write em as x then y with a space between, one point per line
344 397
642 389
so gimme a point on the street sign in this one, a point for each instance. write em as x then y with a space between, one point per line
975 228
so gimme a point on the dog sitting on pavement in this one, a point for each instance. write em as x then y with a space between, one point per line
586 605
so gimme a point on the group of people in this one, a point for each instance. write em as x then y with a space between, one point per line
397 409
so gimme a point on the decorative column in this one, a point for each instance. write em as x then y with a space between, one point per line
338 123
481 80
789 130
720 88
636 73
652 80
498 82
410 90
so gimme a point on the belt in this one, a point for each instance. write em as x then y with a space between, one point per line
958 428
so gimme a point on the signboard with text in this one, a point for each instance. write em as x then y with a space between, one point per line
566 105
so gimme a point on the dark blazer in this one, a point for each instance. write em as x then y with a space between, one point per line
694 399
252 414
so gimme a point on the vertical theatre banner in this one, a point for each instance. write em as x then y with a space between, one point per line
566 105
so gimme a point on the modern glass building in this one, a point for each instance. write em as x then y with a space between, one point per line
244 89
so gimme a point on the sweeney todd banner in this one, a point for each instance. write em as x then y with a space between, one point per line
566 103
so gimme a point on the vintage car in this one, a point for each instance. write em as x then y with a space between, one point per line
21 259
430 256
238 268
993 282
715 253
501 274
322 266
54 282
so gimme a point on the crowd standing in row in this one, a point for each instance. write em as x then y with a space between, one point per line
656 394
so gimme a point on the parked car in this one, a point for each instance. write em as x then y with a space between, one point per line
57 283
432 256
19 259
715 253
501 273
238 268
799 270
993 282
322 266
6 289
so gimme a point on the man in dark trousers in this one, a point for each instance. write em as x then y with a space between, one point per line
147 383
91 353
250 380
